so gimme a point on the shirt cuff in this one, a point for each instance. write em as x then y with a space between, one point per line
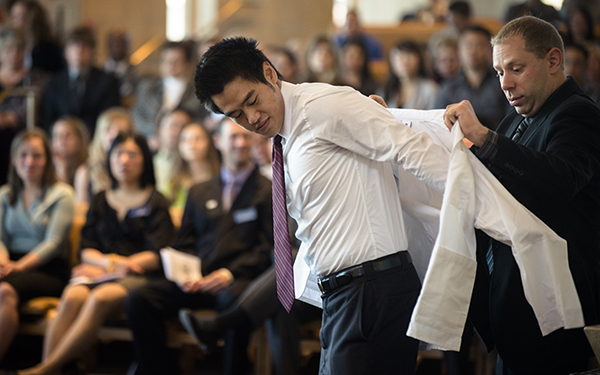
489 148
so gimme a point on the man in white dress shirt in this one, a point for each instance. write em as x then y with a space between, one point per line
337 149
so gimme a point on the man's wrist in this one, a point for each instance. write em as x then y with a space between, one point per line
489 147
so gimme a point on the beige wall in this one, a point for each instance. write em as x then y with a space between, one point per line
278 21
143 19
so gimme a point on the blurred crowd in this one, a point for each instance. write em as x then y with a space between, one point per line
100 127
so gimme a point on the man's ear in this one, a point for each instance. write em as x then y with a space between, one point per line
555 60
270 73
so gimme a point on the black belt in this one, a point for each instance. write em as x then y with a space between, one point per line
337 280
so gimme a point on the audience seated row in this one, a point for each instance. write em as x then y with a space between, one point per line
177 144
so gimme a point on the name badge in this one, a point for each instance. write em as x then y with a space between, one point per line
140 212
211 204
245 215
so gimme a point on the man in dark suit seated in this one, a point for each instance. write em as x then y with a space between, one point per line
547 155
157 96
228 223
81 89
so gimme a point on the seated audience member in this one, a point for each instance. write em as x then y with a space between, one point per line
70 142
42 51
458 19
158 96
286 64
580 26
125 227
36 212
321 62
80 90
593 7
407 85
118 62
94 178
532 8
576 57
262 149
197 161
353 29
477 82
354 65
14 75
258 303
446 62
228 224
168 136
593 72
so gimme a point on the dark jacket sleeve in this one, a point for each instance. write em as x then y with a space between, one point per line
568 162
89 232
253 262
160 229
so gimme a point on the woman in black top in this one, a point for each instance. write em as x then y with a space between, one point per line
125 228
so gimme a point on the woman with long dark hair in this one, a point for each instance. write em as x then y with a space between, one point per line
408 85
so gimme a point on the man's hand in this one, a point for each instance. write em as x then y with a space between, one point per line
378 99
463 112
212 283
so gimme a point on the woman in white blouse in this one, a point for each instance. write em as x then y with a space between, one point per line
36 212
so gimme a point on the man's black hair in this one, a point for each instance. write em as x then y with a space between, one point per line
225 61
577 46
460 7
479 30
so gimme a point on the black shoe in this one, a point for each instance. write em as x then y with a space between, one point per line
202 328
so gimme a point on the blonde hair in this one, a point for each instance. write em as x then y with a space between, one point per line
99 179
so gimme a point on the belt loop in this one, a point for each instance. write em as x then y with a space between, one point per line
369 270
333 282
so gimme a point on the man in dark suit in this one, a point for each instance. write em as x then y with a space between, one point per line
547 154
228 223
81 89
174 89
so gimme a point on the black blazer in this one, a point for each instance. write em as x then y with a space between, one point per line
241 239
554 171
101 92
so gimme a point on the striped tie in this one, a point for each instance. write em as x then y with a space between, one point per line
283 249
521 129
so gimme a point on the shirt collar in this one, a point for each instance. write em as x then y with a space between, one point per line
566 89
240 176
287 91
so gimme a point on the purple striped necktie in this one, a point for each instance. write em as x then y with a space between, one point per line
283 250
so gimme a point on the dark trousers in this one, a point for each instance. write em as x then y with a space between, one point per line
518 338
261 304
149 306
365 322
